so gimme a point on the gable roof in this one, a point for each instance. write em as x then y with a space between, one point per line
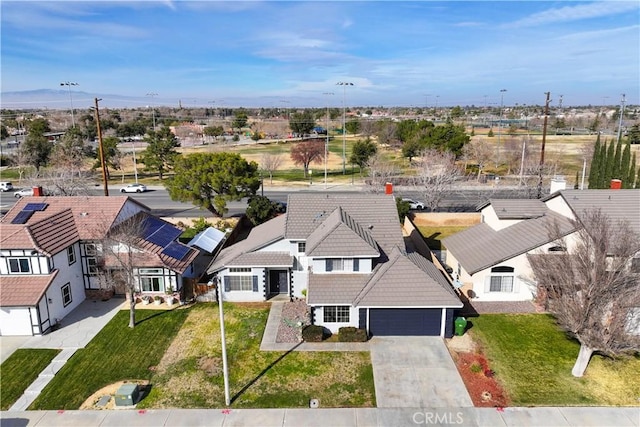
377 213
407 280
619 205
24 291
517 208
54 233
340 235
481 246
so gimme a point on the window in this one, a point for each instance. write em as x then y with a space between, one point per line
71 255
342 264
335 264
90 249
336 314
240 270
92 266
240 283
19 265
502 279
151 279
66 294
302 246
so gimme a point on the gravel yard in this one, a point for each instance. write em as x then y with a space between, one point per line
293 314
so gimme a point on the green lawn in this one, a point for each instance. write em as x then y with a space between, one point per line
20 370
116 353
532 358
190 376
433 235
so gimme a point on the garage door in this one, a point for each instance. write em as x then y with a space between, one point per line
405 321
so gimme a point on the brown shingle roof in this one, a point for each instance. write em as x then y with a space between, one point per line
24 291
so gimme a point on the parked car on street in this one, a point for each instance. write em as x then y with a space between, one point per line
23 192
134 188
414 204
6 186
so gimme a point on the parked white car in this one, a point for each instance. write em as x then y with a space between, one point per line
414 204
23 192
6 186
134 188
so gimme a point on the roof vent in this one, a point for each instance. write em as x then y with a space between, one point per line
370 226
84 213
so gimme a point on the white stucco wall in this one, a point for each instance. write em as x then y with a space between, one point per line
334 327
16 321
244 296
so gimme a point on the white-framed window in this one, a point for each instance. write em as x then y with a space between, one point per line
151 279
302 246
342 264
66 294
71 255
90 249
502 279
241 283
336 314
92 266
19 266
239 269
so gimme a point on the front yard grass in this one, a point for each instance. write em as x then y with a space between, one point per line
433 235
190 374
116 353
533 358
20 370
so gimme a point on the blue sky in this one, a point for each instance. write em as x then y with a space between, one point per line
290 54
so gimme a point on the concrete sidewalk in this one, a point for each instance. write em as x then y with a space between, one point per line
384 417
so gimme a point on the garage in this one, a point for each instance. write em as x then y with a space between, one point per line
405 321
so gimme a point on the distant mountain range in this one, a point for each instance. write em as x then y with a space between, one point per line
58 99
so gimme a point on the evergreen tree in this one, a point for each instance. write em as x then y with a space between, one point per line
594 169
610 165
615 173
603 166
631 177
577 184
625 164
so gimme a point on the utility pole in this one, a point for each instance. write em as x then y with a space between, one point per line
225 366
621 114
344 125
101 148
326 144
544 140
502 91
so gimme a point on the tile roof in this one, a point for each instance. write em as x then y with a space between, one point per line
518 208
260 236
407 281
15 236
341 235
480 246
623 205
24 291
375 212
54 233
334 288
264 259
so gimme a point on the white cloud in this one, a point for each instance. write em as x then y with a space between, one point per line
576 13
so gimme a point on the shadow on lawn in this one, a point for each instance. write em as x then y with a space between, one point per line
264 371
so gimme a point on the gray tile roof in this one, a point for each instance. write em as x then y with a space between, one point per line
407 281
334 288
518 208
375 212
260 236
262 259
341 235
481 246
617 204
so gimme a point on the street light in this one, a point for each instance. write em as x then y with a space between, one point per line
502 91
153 109
326 144
344 130
69 84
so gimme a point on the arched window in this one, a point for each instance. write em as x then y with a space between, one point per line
502 279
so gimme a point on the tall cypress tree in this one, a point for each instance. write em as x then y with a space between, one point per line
625 164
594 168
631 177
615 172
603 165
609 162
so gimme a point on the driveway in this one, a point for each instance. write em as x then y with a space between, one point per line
416 372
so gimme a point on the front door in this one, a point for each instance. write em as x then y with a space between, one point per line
278 282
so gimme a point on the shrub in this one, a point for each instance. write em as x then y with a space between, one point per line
351 334
313 333
475 368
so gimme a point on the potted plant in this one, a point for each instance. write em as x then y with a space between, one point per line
157 300
146 300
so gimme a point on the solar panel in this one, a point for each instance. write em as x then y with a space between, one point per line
35 206
164 235
176 250
22 217
151 225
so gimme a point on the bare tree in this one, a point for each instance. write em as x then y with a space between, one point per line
592 288
480 152
270 162
381 170
120 252
436 173
303 153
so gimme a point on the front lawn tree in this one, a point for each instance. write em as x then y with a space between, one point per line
210 180
303 153
160 154
592 288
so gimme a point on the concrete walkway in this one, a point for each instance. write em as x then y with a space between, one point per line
77 329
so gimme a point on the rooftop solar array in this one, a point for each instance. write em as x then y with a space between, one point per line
22 217
159 232
35 206
176 250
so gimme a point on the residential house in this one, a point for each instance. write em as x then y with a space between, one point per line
51 257
489 260
346 255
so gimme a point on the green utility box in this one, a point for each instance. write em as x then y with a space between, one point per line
460 325
127 395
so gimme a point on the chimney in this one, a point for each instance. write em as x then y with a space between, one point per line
388 188
558 183
37 191
616 184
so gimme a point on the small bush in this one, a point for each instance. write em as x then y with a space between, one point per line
351 334
475 368
313 333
